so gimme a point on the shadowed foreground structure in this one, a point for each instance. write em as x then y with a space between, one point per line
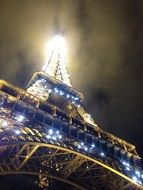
46 131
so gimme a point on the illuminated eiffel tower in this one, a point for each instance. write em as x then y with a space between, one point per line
45 131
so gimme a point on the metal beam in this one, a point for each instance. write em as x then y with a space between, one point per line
29 154
72 166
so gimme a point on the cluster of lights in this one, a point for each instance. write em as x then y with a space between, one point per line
68 96
54 48
53 135
20 118
4 123
137 177
82 146
102 154
135 174
127 165
41 80
73 99
17 132
89 149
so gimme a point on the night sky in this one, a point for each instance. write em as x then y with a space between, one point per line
105 54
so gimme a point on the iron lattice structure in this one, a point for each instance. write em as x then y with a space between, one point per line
45 131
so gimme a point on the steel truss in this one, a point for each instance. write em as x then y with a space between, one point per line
54 145
56 162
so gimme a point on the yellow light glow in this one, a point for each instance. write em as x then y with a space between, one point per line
56 63
56 44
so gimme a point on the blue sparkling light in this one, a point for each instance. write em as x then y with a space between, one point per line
50 131
135 178
126 163
48 136
68 95
17 132
127 168
102 154
60 136
20 118
93 145
137 172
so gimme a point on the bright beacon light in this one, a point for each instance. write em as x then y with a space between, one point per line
56 62
57 44
59 41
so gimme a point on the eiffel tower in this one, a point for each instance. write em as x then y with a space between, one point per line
46 131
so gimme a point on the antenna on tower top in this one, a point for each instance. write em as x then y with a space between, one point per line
56 62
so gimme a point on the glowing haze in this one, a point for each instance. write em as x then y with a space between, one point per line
58 44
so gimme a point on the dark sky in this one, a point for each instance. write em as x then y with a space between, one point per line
105 47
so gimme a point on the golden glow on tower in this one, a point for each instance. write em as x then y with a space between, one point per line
56 60
58 43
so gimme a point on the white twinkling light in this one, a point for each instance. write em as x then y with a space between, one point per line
93 145
54 138
56 90
17 132
68 95
102 154
50 90
127 168
135 178
50 131
82 143
61 93
48 136
125 163
137 172
20 118
140 182
59 136
79 146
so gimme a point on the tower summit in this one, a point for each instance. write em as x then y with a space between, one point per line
45 131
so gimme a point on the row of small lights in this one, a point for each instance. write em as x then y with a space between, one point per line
137 176
74 100
68 96
55 135
19 118
84 147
